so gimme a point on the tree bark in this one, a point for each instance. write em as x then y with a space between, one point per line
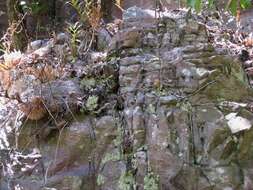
19 40
106 8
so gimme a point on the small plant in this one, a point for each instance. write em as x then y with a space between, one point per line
151 181
83 8
74 31
111 157
11 59
87 83
126 181
89 12
94 17
92 103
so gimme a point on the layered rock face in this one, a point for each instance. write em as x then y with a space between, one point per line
177 90
164 110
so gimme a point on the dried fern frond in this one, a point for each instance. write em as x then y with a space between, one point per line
95 17
45 74
83 8
12 59
5 79
119 4
3 67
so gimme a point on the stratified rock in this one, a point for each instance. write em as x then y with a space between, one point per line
155 113
137 13
171 78
103 39
62 38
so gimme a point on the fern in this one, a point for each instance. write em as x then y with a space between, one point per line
74 31
83 8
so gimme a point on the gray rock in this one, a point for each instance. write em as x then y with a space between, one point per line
104 39
137 13
36 44
62 38
177 131
167 125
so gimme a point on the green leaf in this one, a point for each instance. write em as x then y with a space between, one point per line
210 3
233 6
92 103
198 5
245 4
191 3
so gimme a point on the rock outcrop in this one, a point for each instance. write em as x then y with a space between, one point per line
177 90
163 110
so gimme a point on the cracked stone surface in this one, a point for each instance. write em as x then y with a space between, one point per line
159 123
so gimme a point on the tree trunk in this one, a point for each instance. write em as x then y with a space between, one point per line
106 8
52 9
14 11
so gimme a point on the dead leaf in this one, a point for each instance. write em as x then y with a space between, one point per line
35 109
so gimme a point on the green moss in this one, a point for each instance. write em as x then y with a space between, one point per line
151 181
111 157
224 88
112 56
245 145
219 137
108 83
119 139
151 109
229 149
185 106
126 181
228 75
92 103
100 180
87 83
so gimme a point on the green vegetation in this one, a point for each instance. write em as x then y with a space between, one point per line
126 181
232 5
111 157
151 181
83 8
92 103
165 113
74 31
100 180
